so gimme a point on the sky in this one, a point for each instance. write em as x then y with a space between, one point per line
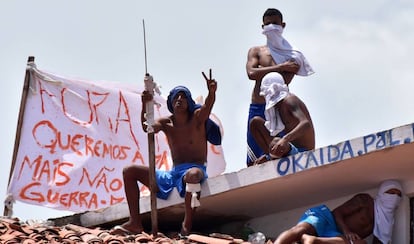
361 52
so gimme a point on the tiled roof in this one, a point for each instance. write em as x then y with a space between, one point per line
12 230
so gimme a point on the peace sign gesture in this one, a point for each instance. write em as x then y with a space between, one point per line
211 83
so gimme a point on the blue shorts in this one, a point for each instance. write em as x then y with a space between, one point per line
321 218
167 180
253 149
294 149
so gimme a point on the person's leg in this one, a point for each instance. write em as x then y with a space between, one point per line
262 137
131 175
253 149
192 176
309 239
260 133
295 233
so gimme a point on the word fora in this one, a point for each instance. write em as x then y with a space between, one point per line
83 108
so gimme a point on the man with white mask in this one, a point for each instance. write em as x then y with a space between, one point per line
287 128
351 222
279 56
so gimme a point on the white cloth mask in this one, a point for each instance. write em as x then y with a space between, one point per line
282 51
385 205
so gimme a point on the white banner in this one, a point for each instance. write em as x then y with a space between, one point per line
77 136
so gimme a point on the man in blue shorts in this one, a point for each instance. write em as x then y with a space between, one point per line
351 222
287 128
277 56
187 130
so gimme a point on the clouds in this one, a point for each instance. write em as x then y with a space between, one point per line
362 62
361 52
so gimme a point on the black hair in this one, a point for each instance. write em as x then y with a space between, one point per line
272 12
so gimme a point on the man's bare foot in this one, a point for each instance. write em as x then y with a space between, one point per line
261 159
127 228
185 230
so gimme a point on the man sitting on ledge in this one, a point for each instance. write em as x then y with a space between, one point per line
288 128
188 129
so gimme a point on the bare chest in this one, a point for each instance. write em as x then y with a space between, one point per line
361 223
185 135
265 58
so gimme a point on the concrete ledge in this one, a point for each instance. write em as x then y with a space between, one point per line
293 182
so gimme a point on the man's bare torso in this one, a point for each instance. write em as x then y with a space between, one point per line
188 143
265 59
361 219
361 222
307 140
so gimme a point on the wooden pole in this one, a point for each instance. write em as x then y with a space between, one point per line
23 99
151 157
149 86
151 154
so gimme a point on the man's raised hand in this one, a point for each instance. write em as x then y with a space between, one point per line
211 83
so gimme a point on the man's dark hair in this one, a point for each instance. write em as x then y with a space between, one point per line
272 12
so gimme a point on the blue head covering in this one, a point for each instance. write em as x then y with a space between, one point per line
212 129
174 92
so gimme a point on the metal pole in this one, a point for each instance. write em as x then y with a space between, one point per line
145 48
149 86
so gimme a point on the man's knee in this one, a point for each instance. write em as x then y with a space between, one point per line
304 228
256 122
134 172
193 175
127 170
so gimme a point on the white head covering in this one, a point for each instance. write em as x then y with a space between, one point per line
282 51
273 89
385 205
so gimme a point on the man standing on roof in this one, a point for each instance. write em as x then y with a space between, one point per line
277 56
288 127
350 222
188 129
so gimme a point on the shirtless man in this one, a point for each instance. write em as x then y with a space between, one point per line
288 127
186 133
260 62
351 222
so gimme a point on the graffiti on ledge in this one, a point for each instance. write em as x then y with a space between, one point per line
345 150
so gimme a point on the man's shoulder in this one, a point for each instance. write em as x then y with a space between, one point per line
363 197
290 99
363 194
258 48
360 200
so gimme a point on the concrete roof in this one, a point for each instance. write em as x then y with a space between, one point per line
322 174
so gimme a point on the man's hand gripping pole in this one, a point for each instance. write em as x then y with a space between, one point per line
150 87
